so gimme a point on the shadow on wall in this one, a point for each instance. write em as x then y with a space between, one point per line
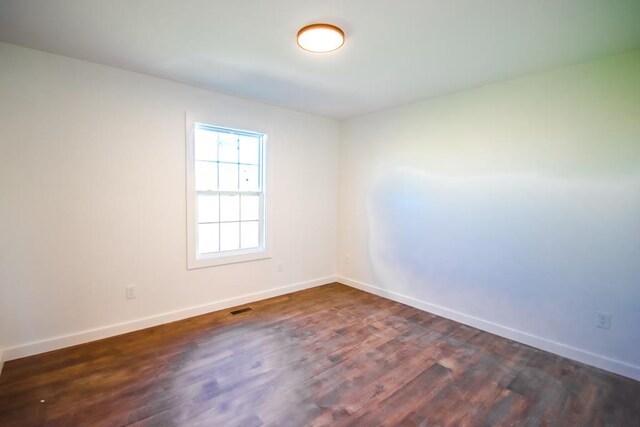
509 248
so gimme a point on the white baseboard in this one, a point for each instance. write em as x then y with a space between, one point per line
147 322
599 361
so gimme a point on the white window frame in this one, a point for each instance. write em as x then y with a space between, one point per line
194 259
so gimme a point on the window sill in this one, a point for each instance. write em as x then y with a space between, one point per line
230 258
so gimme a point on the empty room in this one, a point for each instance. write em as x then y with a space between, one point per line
319 213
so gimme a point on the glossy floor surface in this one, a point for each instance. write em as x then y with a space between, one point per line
331 356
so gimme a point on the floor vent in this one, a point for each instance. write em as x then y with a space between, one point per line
241 310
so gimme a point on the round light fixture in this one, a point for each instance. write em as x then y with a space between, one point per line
320 38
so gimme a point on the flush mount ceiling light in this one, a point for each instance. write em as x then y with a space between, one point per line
320 38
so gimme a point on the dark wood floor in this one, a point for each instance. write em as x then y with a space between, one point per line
331 355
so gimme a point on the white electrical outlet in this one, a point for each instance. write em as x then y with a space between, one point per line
603 320
130 291
279 266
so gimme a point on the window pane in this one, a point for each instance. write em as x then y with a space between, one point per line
250 234
228 148
208 238
249 178
206 176
229 236
208 208
249 150
228 177
229 208
206 144
250 206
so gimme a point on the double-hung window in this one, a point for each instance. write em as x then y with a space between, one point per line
226 195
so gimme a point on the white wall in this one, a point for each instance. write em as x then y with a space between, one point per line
514 207
92 198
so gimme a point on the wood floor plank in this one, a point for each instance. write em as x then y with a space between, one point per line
327 356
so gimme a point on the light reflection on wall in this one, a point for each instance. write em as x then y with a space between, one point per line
509 246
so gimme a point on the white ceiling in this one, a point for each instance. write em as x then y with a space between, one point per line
396 52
